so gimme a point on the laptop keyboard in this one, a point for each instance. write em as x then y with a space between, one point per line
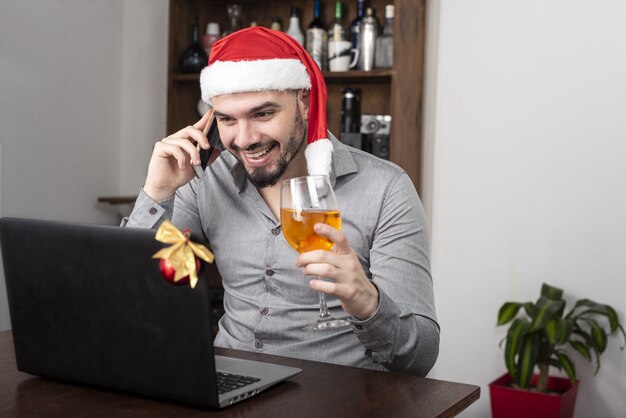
227 381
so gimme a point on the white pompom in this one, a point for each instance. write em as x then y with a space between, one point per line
319 157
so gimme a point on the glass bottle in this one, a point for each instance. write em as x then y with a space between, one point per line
276 25
194 59
351 110
294 26
337 31
355 27
384 43
317 38
234 17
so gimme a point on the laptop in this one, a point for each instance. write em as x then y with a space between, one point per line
89 305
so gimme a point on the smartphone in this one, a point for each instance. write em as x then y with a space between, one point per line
207 156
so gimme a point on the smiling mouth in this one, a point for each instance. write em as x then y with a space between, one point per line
260 153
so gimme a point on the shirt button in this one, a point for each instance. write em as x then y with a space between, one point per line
264 311
269 272
152 211
276 231
258 344
358 326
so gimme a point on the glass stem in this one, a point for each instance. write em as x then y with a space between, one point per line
324 314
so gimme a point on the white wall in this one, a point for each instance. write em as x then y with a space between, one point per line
82 98
525 126
60 81
144 88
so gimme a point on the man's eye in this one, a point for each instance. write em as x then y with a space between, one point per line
224 120
263 115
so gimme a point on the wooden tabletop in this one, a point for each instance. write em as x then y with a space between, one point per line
322 391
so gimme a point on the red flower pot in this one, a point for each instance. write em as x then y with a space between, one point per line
509 402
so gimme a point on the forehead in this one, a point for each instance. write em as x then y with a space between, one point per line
241 102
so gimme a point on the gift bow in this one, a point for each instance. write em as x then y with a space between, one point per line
182 254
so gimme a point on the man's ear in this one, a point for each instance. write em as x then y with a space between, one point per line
304 98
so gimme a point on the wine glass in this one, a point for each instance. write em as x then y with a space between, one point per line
305 201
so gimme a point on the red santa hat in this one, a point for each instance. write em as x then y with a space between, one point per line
260 59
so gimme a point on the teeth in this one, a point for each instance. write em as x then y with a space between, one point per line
259 154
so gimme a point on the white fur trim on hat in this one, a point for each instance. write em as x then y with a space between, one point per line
319 157
226 77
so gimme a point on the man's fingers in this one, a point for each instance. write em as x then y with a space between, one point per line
320 269
336 236
167 150
192 135
205 121
330 288
188 147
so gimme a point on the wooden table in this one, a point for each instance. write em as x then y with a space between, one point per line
321 391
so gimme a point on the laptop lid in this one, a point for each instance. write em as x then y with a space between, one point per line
89 305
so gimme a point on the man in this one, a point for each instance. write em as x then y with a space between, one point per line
268 97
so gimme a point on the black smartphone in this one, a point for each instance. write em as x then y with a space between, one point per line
207 156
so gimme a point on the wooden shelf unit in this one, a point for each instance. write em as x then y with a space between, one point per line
396 92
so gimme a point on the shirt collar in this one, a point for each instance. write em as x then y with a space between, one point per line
342 164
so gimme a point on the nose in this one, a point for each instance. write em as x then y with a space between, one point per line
247 135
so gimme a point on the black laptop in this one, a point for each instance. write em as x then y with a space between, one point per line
89 305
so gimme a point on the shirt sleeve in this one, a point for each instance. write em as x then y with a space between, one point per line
403 334
148 213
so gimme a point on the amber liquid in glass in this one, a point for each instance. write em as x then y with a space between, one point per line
298 228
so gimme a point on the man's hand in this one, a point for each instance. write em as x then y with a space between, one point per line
359 297
170 164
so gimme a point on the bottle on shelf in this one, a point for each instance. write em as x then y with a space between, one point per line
317 38
234 18
384 43
294 26
194 59
212 35
368 35
351 117
276 25
253 24
355 28
350 110
337 31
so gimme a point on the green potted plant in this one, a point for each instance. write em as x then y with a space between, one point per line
542 335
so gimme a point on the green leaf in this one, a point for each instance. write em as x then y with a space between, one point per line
613 320
554 362
507 312
552 330
550 292
558 331
623 335
567 364
589 342
527 359
598 335
546 310
589 304
514 338
529 307
567 332
593 307
582 348
604 310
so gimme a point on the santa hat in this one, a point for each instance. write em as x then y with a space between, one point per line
260 59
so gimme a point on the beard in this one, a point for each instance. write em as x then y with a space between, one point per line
262 177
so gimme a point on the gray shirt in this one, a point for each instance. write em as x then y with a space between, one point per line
267 299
